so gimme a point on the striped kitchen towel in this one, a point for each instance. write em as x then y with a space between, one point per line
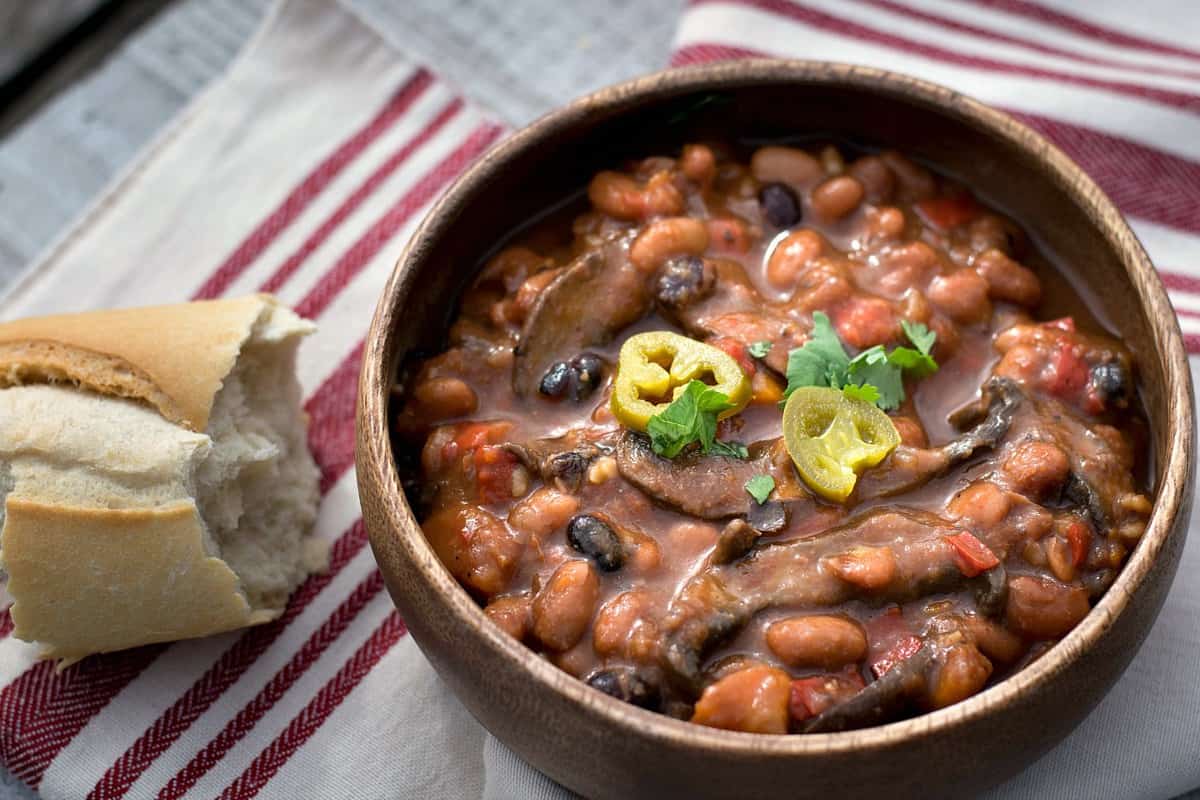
303 171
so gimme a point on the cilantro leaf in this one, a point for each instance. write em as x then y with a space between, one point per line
865 392
691 417
921 337
875 374
731 449
821 361
760 487
919 364
760 348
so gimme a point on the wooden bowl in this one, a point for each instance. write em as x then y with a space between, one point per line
601 747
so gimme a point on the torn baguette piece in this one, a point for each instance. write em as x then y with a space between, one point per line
155 479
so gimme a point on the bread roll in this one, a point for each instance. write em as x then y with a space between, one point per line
155 482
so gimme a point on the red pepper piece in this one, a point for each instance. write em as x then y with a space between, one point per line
1062 323
738 351
901 650
945 213
1080 539
815 695
1068 372
971 555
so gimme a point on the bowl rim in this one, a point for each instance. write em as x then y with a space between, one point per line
377 471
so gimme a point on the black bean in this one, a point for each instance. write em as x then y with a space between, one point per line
625 684
597 540
684 281
574 379
1112 382
588 372
557 380
779 205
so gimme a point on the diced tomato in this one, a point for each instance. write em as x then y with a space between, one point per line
1068 372
475 434
739 352
905 648
727 235
864 321
1062 323
971 555
494 466
1080 539
815 695
945 213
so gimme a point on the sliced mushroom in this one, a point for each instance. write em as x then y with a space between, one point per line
880 701
586 306
909 467
885 555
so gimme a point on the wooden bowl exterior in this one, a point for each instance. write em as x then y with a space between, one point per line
603 748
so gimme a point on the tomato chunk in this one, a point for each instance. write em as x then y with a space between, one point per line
815 695
739 352
971 555
945 213
494 466
901 650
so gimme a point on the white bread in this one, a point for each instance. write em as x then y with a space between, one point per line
155 482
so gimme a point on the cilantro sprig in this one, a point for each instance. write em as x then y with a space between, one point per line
692 417
874 375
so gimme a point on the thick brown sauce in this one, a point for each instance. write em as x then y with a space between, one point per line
519 545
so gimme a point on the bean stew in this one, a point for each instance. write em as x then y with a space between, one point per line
778 440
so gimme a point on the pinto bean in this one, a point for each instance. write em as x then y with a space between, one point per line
542 513
837 197
877 179
1037 469
817 641
1008 280
623 627
912 433
754 700
444 398
792 256
823 285
886 223
1043 608
982 503
907 265
512 614
697 163
478 548
962 673
729 235
529 291
993 640
564 606
661 239
786 164
867 567
622 197
962 295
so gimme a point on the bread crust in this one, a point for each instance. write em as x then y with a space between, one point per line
94 580
174 358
